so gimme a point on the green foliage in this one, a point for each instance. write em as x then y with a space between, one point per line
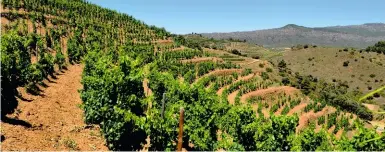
46 61
15 63
379 47
282 66
364 140
312 141
60 59
275 134
264 76
274 108
75 50
113 95
246 72
321 120
269 70
372 75
119 106
285 110
189 77
228 143
336 95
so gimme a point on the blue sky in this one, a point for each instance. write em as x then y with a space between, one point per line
201 16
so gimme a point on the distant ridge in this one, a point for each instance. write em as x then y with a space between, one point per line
359 36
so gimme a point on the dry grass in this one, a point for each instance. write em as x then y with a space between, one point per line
327 63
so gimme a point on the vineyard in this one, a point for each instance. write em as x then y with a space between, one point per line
137 77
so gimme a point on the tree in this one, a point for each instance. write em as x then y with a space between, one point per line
282 66
346 63
236 52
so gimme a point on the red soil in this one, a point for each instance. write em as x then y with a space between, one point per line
231 97
297 108
53 120
306 117
339 133
203 59
286 89
279 111
371 106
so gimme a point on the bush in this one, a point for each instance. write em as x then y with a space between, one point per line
60 60
372 75
269 70
236 52
189 77
264 76
376 95
47 63
261 65
256 57
321 120
346 63
246 72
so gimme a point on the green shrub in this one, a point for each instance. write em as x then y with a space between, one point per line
269 70
60 60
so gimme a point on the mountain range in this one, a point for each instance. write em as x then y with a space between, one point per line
358 36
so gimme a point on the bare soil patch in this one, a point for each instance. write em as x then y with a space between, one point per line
231 97
203 59
53 120
306 117
372 107
297 108
286 89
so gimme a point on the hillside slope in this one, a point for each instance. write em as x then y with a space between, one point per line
343 36
137 82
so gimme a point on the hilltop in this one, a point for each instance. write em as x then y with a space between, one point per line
358 36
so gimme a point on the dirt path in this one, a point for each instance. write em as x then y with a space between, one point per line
297 109
202 59
231 97
279 111
372 107
304 118
261 92
254 60
331 129
52 121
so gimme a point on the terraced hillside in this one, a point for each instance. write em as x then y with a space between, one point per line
268 98
134 79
